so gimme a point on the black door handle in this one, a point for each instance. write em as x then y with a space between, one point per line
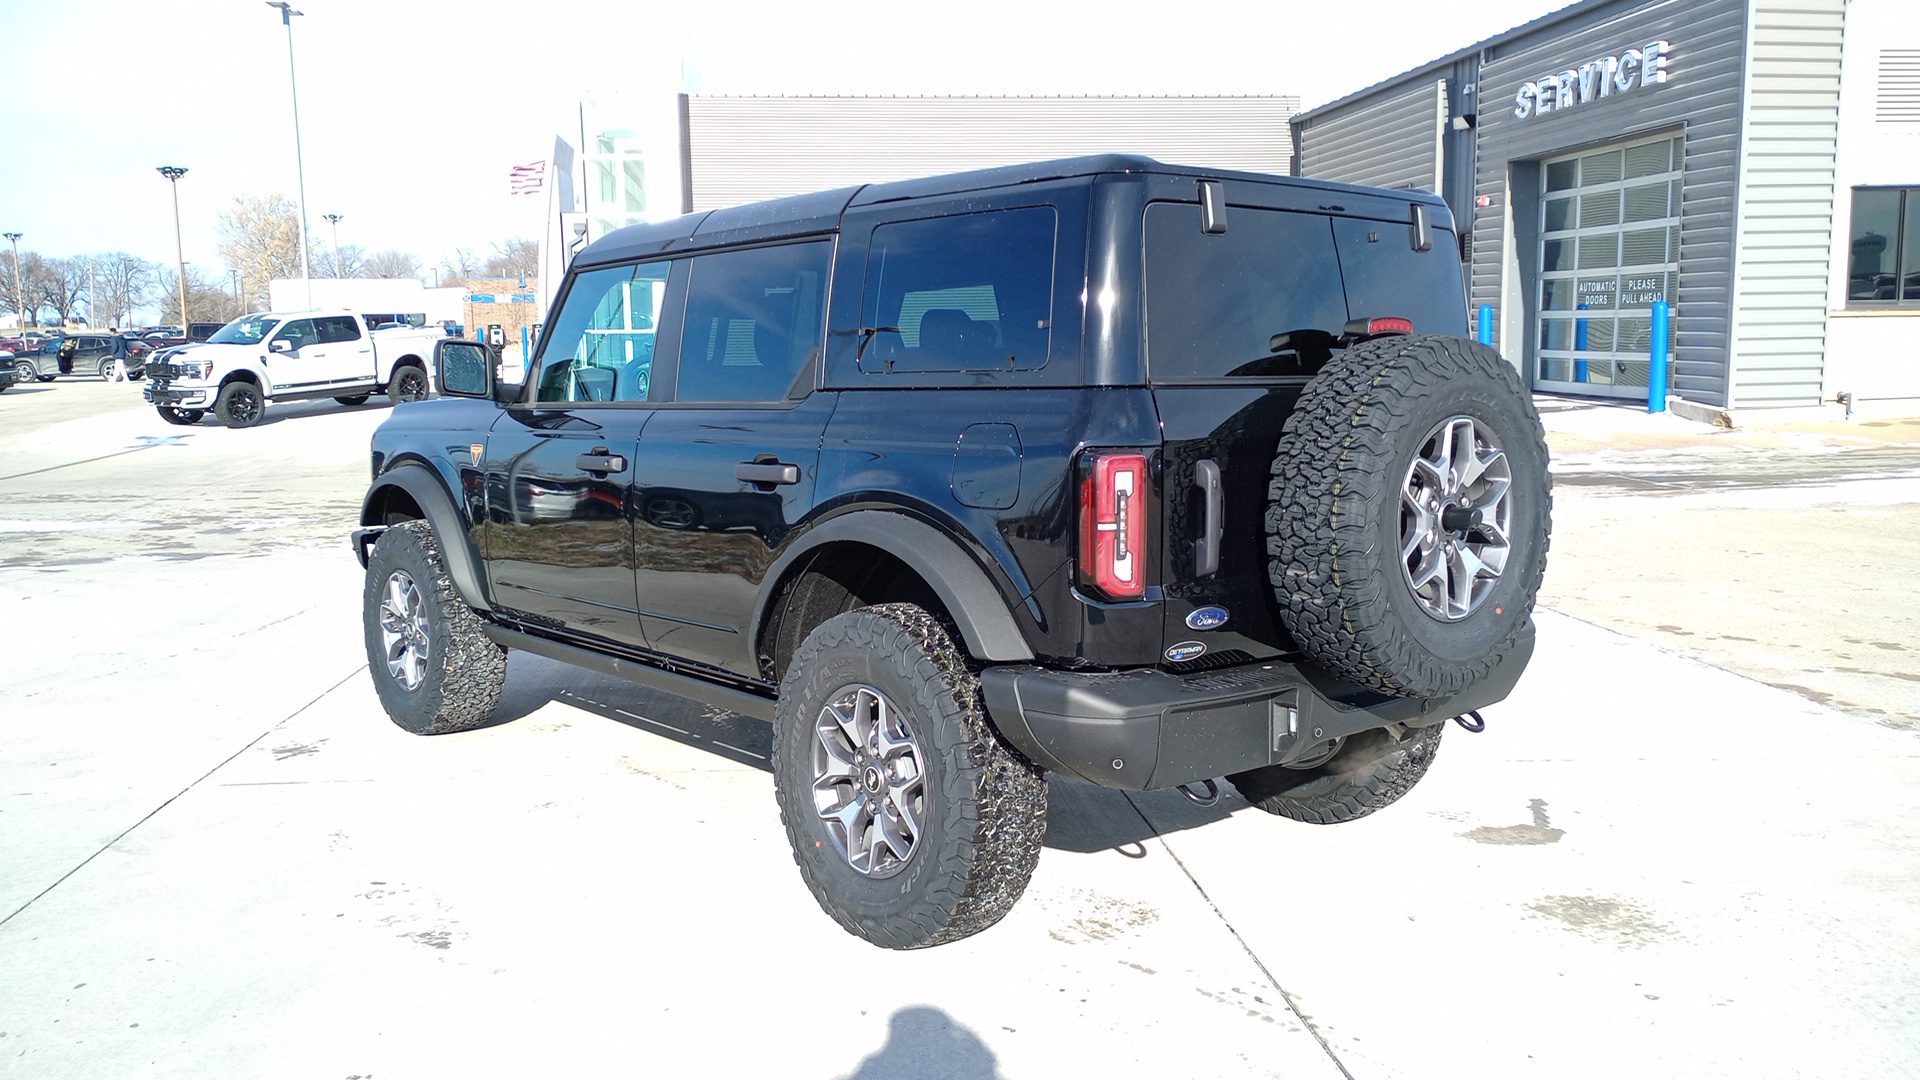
600 461
1206 546
767 472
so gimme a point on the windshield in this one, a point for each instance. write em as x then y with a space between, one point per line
247 331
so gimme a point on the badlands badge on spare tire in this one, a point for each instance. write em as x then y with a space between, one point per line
1186 650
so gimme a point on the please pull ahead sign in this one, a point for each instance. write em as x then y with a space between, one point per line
1631 70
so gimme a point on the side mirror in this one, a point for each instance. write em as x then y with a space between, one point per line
465 368
280 345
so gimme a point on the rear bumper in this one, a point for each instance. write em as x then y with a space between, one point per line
1149 729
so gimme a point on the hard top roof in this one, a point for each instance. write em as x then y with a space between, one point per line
820 212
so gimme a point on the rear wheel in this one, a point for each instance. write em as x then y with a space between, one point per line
434 668
409 384
239 404
106 370
182 417
1366 772
1408 514
24 371
912 823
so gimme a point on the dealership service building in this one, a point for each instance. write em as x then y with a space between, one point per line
1753 163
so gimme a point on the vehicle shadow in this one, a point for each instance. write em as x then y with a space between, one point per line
1081 817
923 1043
300 410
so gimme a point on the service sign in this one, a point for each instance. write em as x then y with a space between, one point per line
1634 69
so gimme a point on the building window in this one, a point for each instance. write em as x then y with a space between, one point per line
1883 248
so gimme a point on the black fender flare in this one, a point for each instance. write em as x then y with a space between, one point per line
430 494
979 610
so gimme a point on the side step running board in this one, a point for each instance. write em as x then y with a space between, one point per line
726 697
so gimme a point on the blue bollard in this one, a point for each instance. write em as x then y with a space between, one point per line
1580 345
1657 366
1486 324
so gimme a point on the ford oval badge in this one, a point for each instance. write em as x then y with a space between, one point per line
1186 650
1207 618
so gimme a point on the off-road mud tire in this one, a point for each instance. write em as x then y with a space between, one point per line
1371 770
985 807
465 669
1334 506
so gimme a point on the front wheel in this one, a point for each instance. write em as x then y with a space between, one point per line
183 417
1366 771
434 668
912 823
24 371
240 404
409 384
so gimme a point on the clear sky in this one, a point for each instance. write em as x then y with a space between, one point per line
412 112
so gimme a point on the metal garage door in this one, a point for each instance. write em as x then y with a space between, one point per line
1609 248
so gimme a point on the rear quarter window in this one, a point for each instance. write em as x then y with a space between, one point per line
967 292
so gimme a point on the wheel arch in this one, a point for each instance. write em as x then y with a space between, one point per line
411 490
977 607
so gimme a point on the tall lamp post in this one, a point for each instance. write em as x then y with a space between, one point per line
334 220
173 173
19 294
299 164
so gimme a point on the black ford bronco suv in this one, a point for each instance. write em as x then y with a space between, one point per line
1143 474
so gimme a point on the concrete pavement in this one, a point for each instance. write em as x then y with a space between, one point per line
218 858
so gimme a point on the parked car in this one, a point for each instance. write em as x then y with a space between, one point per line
92 354
1147 475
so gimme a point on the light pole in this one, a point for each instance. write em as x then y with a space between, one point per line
173 173
334 220
234 275
19 294
299 165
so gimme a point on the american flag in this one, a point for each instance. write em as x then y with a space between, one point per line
526 179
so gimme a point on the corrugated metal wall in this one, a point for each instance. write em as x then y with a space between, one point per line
1702 96
1387 141
1786 203
741 149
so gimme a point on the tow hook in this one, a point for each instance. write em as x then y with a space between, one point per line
1212 794
1471 721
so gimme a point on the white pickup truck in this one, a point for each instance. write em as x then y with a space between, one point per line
289 356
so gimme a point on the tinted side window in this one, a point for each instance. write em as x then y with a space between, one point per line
971 292
1386 277
1215 302
337 328
600 346
754 319
299 333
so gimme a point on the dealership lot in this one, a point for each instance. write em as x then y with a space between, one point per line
218 858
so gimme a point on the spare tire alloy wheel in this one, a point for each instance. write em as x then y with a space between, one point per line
433 666
409 384
1408 514
911 822
239 404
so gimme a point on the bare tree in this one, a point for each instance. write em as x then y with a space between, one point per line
352 264
13 296
518 257
54 283
121 282
260 238
207 301
392 264
460 267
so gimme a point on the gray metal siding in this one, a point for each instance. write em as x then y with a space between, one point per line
1779 318
743 149
1387 141
1702 96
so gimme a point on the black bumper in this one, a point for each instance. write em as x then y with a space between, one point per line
1149 729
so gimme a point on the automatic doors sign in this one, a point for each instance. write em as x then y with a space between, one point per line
1629 71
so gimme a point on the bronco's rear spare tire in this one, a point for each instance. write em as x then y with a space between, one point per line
1408 514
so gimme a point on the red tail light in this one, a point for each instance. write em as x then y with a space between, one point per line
1113 524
